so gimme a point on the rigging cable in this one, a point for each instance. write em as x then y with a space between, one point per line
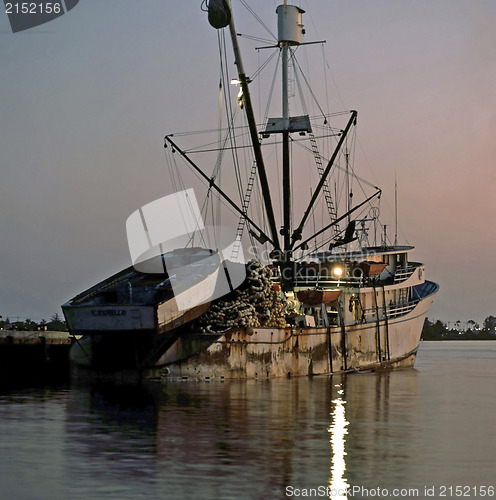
252 12
308 86
244 197
325 79
263 66
230 118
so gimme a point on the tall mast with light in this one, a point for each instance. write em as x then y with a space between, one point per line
289 32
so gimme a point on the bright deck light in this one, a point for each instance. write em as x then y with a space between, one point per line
337 271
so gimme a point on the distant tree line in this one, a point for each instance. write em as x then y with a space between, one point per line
438 330
56 324
432 330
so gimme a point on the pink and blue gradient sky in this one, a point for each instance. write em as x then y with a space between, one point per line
86 100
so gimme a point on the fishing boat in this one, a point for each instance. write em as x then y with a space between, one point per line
326 291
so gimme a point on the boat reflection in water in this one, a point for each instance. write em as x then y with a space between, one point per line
253 439
338 430
247 439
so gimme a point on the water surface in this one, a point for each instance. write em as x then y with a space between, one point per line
432 425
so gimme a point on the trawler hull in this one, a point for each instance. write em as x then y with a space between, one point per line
243 353
269 352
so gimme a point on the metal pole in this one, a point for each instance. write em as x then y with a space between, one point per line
254 134
286 170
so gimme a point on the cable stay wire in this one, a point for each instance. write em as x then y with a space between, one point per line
257 18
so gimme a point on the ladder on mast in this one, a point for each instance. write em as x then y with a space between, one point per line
244 208
325 188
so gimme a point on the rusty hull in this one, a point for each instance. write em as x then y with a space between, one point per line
272 352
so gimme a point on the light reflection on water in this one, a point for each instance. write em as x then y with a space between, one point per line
253 439
338 430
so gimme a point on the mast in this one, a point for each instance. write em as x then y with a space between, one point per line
286 167
254 134
289 32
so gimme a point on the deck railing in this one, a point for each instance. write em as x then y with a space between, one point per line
391 311
316 281
403 274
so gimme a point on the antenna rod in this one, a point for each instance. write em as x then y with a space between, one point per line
395 211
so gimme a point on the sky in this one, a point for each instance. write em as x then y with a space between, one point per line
86 100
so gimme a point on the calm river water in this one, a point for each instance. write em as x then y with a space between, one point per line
390 434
